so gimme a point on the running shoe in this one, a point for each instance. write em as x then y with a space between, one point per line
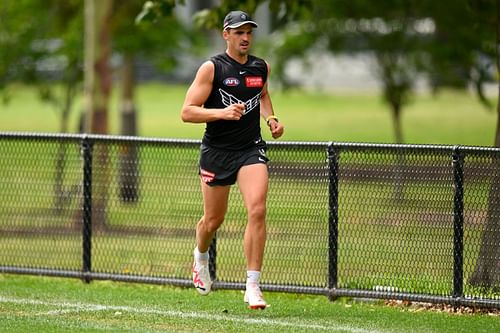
253 296
201 278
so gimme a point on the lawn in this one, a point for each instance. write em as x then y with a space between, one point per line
39 304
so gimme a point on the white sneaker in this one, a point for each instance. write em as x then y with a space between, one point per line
201 278
253 296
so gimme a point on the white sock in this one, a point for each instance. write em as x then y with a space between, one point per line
253 277
200 257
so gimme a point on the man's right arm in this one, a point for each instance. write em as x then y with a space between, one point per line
197 94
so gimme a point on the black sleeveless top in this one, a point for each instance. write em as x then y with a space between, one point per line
236 83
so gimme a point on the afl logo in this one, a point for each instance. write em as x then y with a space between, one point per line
231 82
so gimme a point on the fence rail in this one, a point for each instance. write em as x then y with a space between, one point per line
409 222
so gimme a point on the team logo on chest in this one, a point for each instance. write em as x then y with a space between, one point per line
228 99
231 82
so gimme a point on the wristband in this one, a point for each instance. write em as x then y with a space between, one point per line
271 117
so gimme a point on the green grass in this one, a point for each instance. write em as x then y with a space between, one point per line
38 304
450 117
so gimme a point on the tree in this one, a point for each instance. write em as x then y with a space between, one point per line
282 11
144 38
44 51
98 74
464 51
388 30
97 90
18 32
487 271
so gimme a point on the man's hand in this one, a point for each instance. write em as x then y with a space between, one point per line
233 111
276 128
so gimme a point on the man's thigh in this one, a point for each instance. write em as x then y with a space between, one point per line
215 200
253 182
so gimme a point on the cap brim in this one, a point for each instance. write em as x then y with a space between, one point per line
239 24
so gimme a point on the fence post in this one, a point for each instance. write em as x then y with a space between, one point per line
86 146
458 223
212 260
333 219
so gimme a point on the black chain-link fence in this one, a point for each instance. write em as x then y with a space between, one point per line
411 222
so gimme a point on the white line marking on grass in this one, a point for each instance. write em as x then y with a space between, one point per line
68 307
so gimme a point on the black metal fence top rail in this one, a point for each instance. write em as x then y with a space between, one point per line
303 144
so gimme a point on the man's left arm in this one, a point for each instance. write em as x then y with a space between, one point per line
267 112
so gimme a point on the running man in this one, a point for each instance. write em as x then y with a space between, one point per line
229 93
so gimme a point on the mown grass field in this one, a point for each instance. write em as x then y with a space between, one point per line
43 305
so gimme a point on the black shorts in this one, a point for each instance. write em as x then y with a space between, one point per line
220 167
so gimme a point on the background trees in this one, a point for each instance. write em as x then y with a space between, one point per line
43 50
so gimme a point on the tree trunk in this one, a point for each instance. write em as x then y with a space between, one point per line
128 152
98 81
396 112
61 196
400 158
487 271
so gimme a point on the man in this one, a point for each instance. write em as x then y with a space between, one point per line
229 94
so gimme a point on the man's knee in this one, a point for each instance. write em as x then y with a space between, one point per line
211 224
257 212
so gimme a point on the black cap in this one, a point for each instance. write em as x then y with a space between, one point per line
236 19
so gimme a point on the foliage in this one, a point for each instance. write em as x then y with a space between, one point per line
155 34
463 45
18 31
282 11
43 49
153 11
46 49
